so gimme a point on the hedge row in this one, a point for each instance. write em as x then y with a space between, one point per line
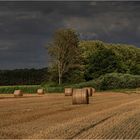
106 82
118 81
112 81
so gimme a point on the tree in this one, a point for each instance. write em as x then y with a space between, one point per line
101 62
64 51
135 69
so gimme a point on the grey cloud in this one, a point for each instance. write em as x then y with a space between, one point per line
26 26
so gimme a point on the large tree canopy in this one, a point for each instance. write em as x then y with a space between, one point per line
101 62
64 51
126 57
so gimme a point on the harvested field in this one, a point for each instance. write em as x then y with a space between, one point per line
108 116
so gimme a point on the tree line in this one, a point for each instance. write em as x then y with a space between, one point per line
74 61
23 76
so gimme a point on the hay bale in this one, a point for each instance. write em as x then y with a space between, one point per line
89 89
40 91
68 91
18 93
93 90
80 96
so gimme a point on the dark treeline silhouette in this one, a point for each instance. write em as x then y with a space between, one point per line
22 76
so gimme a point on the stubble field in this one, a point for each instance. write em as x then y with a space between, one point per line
108 116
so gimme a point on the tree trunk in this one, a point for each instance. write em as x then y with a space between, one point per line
59 74
60 79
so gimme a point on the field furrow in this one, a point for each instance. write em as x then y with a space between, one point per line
108 116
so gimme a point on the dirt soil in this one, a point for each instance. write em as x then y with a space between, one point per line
108 116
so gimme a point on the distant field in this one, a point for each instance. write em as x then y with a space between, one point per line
29 89
24 88
108 116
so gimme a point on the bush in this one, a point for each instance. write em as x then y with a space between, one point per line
118 80
109 81
92 83
135 69
112 81
105 82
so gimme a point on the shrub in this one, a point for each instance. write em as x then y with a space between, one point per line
112 81
105 82
118 80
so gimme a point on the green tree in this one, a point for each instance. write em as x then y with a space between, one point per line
135 69
101 62
128 55
64 51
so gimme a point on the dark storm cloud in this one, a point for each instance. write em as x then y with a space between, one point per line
26 26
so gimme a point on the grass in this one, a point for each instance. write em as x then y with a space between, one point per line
57 89
31 89
24 88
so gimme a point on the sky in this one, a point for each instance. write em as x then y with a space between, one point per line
25 27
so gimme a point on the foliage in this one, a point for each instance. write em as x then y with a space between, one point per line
135 69
127 56
111 81
74 75
25 89
94 59
104 82
23 76
118 80
101 62
64 51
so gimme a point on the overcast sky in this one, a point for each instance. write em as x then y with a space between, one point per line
26 26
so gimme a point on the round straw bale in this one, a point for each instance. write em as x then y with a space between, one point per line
68 91
89 89
80 96
93 90
18 93
40 91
